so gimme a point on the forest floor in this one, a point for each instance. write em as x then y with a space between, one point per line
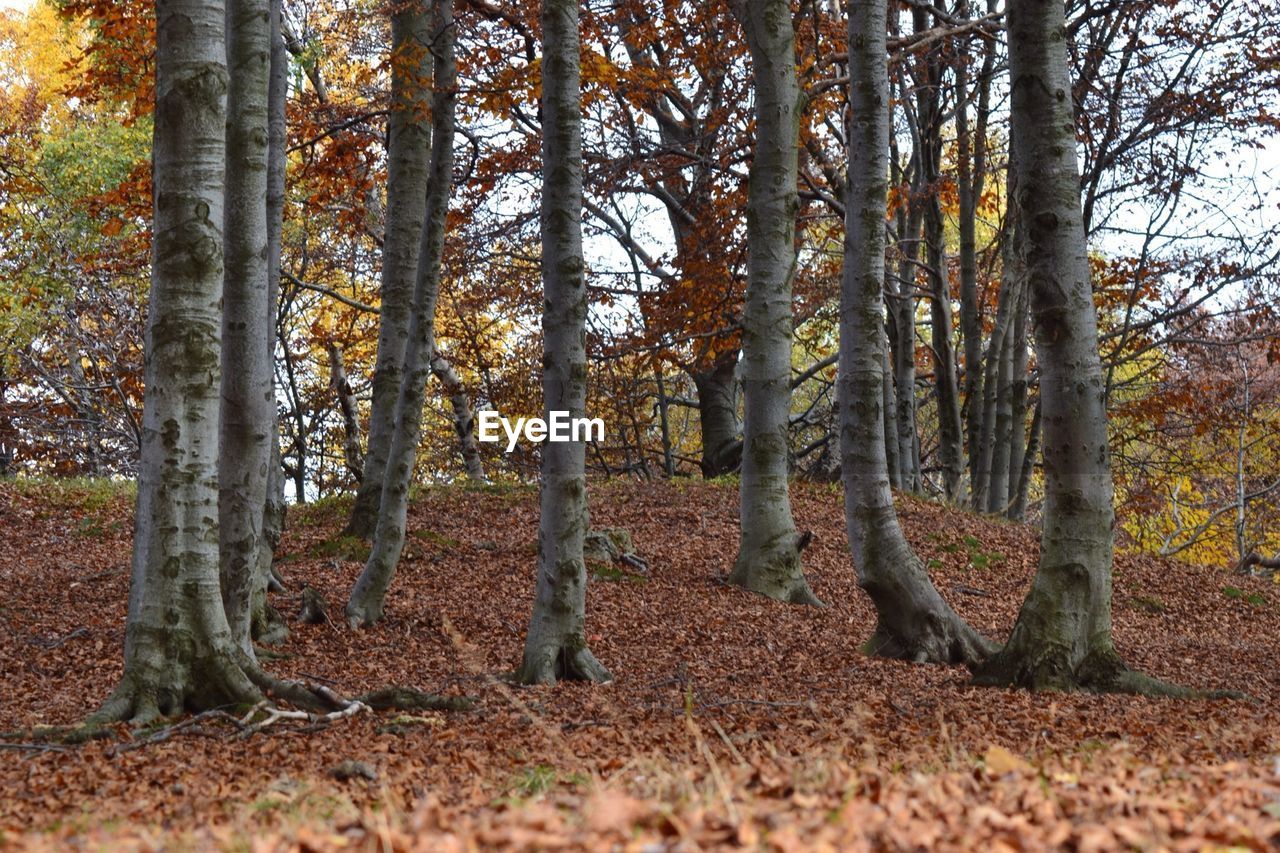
733 722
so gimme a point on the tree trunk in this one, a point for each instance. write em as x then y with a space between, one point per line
179 649
266 624
913 621
971 175
769 549
1062 639
890 439
929 151
717 389
464 421
904 352
556 644
991 455
408 154
248 402
348 407
1027 463
367 597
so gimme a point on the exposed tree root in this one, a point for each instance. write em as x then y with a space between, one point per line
550 664
409 699
941 639
1050 668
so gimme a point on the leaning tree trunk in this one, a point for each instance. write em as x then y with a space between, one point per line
769 549
1062 639
408 155
248 405
464 421
179 649
367 597
913 621
556 645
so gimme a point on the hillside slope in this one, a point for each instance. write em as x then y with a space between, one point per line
731 715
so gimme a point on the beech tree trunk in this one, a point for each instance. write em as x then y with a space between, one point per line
408 162
717 389
266 626
349 409
913 621
769 548
556 644
365 606
464 421
946 382
1062 639
904 351
179 650
248 402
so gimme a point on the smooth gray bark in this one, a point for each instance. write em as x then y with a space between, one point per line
556 644
408 163
903 307
1062 639
913 622
769 548
365 606
179 650
266 624
248 403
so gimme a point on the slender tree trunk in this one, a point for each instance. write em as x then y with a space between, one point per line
1062 639
904 354
369 594
266 624
769 549
889 406
970 165
664 421
556 644
1019 435
349 409
179 650
464 421
248 402
913 621
717 389
946 382
1027 464
408 154
991 454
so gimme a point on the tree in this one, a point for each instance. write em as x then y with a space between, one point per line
1062 639
408 164
248 334
769 548
367 597
913 622
556 644
179 648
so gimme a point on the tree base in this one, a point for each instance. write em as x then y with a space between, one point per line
934 638
549 664
363 613
1101 671
776 573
